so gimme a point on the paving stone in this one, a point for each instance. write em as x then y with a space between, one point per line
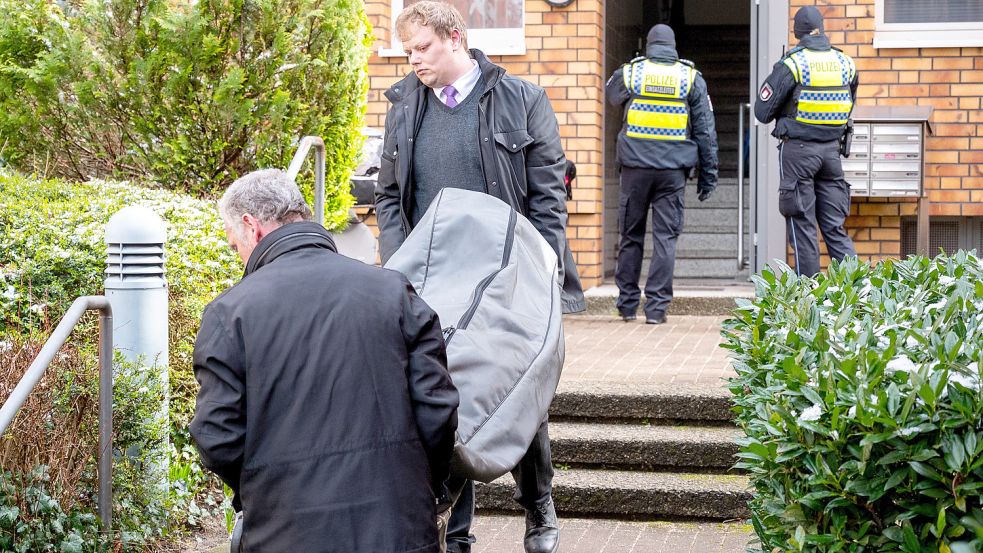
684 350
503 534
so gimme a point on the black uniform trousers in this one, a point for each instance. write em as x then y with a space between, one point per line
812 191
662 191
533 486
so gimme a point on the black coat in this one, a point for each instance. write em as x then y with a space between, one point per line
325 401
520 153
700 147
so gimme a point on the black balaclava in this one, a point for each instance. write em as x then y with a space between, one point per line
807 19
662 34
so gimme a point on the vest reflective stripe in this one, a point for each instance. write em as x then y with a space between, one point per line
823 79
658 108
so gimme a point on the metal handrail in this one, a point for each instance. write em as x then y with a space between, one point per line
40 364
740 183
297 162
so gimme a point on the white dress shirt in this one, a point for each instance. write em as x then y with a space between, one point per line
463 85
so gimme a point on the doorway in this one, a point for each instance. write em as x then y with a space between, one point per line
716 37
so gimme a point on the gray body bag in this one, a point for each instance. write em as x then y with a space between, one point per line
492 279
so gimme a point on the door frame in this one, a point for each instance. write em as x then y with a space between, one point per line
769 41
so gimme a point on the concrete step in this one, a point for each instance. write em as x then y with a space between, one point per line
632 494
711 216
645 447
724 196
612 401
707 268
688 241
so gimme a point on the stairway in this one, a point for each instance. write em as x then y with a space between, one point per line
638 451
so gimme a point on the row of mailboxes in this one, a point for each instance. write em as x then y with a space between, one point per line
888 151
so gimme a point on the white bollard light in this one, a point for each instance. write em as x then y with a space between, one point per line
137 290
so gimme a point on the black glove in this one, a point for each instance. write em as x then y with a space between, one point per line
704 192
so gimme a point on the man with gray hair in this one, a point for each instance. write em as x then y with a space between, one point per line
325 400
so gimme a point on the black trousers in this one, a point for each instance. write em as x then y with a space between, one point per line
812 192
660 190
533 486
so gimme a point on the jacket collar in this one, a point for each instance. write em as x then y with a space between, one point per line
491 74
661 52
288 238
815 42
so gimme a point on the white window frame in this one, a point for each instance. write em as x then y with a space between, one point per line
506 41
924 35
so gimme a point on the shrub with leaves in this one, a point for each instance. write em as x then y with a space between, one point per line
860 395
52 250
188 94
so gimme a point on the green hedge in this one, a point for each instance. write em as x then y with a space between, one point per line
859 393
190 95
52 250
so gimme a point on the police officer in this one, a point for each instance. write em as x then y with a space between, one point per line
811 91
668 130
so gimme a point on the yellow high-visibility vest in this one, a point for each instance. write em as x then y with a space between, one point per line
658 108
823 78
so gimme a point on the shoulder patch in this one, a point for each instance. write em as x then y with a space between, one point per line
766 92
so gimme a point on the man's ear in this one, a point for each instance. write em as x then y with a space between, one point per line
252 226
456 39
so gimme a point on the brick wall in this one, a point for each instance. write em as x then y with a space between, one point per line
951 80
564 56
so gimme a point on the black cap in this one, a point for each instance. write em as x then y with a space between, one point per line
662 34
807 19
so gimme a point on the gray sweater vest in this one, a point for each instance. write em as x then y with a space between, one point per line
446 151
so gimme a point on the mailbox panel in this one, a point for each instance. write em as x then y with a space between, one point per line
894 187
896 132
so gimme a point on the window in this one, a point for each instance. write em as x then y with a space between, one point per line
494 26
928 23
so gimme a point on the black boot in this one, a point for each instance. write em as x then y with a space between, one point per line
542 529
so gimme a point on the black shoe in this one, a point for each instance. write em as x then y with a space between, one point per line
627 317
542 529
657 319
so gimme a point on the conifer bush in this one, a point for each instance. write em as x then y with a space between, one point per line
190 95
860 395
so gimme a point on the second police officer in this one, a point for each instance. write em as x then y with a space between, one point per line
811 92
668 130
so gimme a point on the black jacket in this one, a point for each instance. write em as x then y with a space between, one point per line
520 152
699 149
776 96
325 401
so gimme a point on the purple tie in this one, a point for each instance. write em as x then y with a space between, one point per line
449 93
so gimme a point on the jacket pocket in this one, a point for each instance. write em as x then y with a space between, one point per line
513 141
513 161
789 202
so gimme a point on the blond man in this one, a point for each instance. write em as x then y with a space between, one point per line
459 120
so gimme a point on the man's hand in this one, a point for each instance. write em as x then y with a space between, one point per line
704 192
